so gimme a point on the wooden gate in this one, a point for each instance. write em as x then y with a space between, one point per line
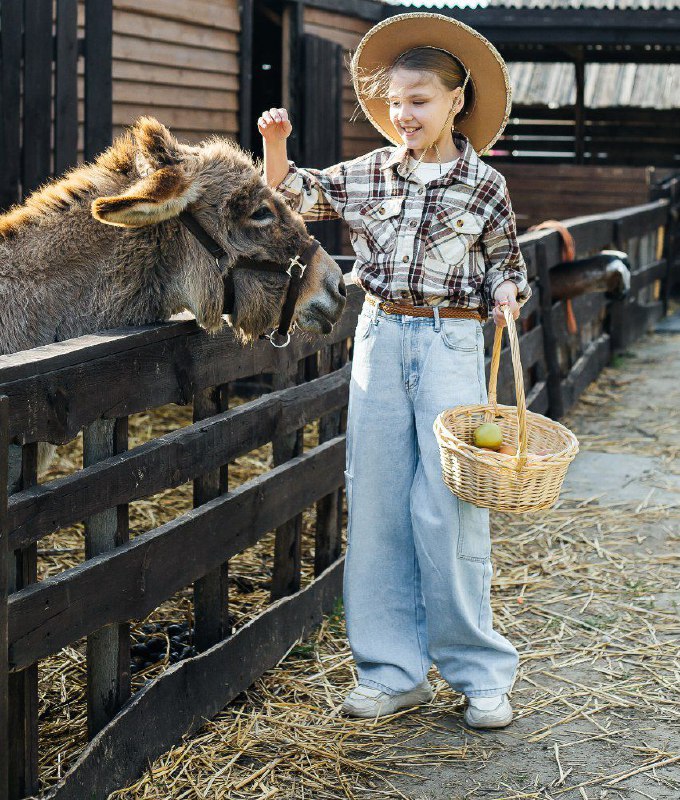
322 120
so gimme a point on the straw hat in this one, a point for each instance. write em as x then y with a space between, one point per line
491 95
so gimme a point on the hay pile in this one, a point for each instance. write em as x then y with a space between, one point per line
572 588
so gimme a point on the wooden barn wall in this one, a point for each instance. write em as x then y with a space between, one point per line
360 136
175 60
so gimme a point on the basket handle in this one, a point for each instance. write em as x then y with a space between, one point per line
519 382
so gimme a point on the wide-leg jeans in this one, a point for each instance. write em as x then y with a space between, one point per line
418 564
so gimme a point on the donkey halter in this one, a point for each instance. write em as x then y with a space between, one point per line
280 336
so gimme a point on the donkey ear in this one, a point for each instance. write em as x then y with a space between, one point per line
157 147
160 196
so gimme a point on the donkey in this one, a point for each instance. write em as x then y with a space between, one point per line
63 273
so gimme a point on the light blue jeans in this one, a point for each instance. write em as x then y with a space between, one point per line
418 564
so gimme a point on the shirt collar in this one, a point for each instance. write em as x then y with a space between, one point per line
464 170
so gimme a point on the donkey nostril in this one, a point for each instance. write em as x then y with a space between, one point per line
342 288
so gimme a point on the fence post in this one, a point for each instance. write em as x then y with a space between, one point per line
554 377
329 509
211 592
4 591
287 550
108 649
23 686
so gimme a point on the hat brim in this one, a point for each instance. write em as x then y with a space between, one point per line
492 93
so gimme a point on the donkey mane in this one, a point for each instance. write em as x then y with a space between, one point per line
76 185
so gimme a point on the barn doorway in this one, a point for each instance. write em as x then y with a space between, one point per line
267 80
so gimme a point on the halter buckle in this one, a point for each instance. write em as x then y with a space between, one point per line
274 333
295 262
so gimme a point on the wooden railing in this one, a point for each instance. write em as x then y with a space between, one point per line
95 382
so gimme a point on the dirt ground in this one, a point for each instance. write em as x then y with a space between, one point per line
588 594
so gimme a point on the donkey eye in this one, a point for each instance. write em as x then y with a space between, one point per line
262 213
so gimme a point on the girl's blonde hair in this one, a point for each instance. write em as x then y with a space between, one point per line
375 83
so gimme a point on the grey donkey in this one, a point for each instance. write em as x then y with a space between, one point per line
63 273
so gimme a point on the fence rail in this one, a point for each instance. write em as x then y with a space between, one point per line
94 383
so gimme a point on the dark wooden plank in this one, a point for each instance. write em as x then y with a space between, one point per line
98 76
11 22
550 341
586 369
638 220
287 565
136 577
108 649
211 591
23 685
328 543
5 554
171 460
66 87
178 702
54 407
246 75
37 100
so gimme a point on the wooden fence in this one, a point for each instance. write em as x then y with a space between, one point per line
95 382
40 55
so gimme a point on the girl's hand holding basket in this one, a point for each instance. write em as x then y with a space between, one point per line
530 479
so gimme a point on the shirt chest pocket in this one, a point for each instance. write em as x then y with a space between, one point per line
380 221
451 235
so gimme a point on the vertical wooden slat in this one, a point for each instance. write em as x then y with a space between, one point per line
211 592
11 22
66 88
108 649
23 686
292 74
579 109
37 120
98 76
550 343
328 531
287 548
246 77
4 591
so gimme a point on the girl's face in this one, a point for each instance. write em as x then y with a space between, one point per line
419 107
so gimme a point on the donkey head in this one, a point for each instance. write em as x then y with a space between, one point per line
220 186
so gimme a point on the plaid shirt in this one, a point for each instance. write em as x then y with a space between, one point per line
449 242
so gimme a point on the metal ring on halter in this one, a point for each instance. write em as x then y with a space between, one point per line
276 333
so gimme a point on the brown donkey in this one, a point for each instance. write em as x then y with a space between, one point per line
64 274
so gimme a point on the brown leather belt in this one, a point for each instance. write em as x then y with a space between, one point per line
445 312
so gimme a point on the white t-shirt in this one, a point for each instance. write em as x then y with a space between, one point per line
429 172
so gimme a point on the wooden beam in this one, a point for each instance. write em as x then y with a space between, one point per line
5 556
98 76
108 649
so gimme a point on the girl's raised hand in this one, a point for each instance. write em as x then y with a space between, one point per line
274 125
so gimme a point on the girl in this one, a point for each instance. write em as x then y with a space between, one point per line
435 240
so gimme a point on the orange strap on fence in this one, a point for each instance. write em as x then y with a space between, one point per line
568 254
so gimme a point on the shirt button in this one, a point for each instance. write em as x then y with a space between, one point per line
404 294
420 191
405 259
412 223
381 210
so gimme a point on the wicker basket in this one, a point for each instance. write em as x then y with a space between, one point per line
525 481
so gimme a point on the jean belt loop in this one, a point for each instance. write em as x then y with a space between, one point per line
437 324
374 313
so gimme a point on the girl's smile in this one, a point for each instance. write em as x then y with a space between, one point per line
421 111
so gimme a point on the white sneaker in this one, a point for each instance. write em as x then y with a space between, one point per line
497 717
365 701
